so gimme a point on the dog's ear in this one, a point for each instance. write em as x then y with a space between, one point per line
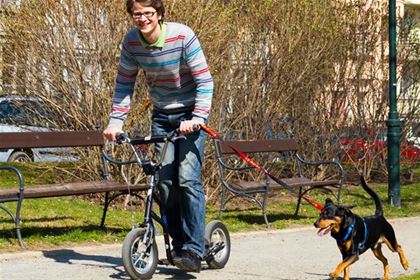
347 217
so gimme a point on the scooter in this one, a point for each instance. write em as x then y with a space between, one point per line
140 250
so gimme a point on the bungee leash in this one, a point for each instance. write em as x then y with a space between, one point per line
251 162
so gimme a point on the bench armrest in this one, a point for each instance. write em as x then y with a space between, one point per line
235 168
18 174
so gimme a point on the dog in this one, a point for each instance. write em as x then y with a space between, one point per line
355 235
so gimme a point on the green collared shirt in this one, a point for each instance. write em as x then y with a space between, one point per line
160 41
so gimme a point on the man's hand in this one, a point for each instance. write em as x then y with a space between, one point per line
187 127
110 132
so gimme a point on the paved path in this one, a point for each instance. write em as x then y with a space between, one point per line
284 254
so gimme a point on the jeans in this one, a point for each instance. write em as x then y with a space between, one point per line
181 191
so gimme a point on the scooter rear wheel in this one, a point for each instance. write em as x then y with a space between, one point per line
217 235
140 260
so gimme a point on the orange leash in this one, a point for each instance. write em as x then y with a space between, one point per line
251 162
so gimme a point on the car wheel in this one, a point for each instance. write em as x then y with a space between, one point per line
19 156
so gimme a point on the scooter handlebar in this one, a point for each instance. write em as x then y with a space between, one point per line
138 140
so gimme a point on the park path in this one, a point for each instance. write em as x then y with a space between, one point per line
281 254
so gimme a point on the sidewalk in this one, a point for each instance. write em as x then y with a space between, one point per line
281 254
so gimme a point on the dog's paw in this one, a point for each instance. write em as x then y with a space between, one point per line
333 275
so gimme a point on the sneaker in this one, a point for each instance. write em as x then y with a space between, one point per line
188 261
176 253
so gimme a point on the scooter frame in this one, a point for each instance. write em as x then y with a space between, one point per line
151 167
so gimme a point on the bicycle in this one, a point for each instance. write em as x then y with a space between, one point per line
139 250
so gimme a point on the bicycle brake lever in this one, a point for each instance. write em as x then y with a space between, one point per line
178 137
176 134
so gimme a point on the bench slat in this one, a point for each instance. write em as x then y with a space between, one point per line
305 182
55 190
50 139
295 182
276 145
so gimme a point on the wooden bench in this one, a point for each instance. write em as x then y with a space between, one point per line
237 178
29 140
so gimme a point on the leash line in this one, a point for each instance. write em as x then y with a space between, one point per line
251 162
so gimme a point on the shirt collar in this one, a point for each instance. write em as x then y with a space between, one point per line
160 41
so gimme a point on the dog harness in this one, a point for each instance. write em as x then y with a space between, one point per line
361 246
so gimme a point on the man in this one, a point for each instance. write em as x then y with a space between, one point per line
180 88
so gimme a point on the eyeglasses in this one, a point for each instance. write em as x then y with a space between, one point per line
147 14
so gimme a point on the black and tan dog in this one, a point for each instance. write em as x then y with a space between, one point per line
355 235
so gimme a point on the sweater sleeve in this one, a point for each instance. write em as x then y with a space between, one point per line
196 61
124 86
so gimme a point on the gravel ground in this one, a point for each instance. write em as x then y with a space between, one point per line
280 254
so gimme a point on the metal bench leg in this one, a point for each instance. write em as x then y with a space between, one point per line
222 201
19 236
298 202
16 220
19 200
109 199
339 194
264 209
106 204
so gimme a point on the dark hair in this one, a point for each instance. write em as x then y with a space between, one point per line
157 4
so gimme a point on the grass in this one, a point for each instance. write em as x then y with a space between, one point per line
65 221
37 173
415 276
61 222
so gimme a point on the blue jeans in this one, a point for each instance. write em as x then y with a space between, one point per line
180 187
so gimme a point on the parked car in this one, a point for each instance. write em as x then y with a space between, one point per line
364 144
23 114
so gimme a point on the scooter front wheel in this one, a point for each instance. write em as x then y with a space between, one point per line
218 241
139 254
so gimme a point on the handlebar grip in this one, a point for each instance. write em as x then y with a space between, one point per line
196 127
150 139
120 137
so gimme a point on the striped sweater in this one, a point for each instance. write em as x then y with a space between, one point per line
177 74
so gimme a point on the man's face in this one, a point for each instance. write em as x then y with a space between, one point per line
146 18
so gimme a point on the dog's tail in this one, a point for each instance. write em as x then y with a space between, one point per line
374 195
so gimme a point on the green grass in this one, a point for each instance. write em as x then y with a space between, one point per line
34 174
65 221
415 276
61 222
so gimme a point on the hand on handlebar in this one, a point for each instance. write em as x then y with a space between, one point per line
188 126
111 132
